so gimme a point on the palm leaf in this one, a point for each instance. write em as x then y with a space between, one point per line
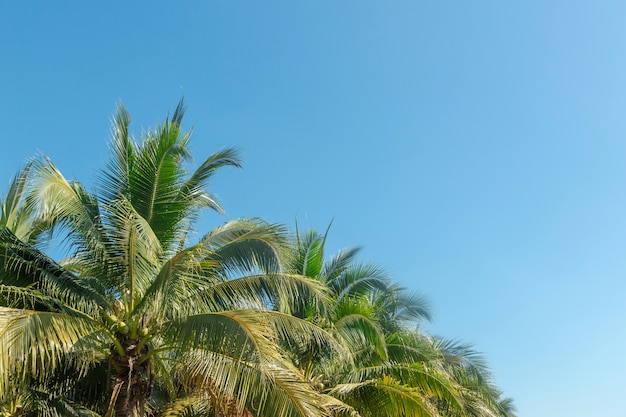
15 214
360 333
309 254
359 280
338 263
304 334
23 265
115 181
194 188
281 291
397 307
135 250
36 342
66 204
245 246
432 383
234 353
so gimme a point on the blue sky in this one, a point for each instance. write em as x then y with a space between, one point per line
474 149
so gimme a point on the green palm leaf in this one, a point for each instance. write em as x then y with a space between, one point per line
234 354
360 332
36 342
23 265
386 397
15 214
245 246
194 188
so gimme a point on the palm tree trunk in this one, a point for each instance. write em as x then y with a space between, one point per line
132 381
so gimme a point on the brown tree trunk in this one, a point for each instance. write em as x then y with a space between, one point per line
132 381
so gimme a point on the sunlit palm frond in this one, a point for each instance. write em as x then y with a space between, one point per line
242 334
247 246
15 213
195 405
23 265
359 280
115 180
37 342
59 201
135 250
194 188
235 354
266 389
431 383
66 205
354 322
385 397
177 281
302 334
411 347
339 262
308 256
339 408
280 291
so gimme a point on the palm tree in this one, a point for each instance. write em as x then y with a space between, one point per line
480 396
359 315
394 369
159 319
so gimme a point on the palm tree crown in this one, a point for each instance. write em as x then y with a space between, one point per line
142 320
159 318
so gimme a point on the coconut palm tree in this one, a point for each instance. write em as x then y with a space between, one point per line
357 316
394 369
157 318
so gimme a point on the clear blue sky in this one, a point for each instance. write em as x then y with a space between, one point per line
476 149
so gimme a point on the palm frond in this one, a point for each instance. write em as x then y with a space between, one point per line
151 175
23 265
398 308
178 279
196 405
309 254
115 181
359 280
234 353
280 291
339 408
157 176
456 354
506 407
135 249
15 214
247 246
39 401
194 188
58 200
431 383
37 342
410 347
265 389
64 204
338 263
301 333
361 334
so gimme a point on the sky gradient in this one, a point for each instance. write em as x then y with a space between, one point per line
474 149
